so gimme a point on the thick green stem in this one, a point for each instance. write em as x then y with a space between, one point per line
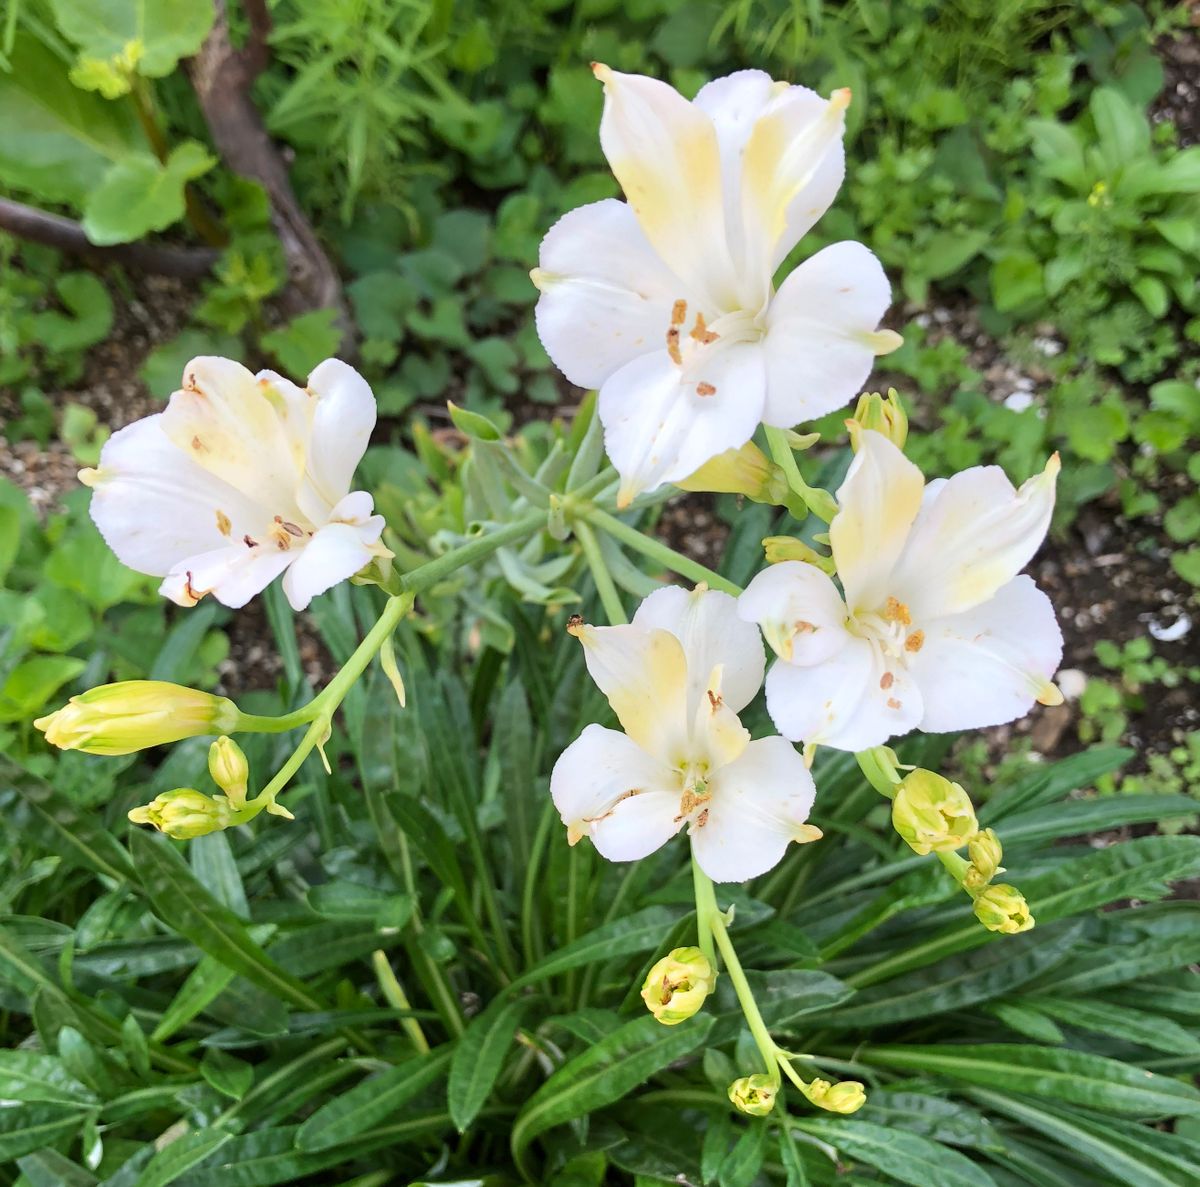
656 550
708 911
610 599
706 905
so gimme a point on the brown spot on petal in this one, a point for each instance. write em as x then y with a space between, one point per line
199 445
223 524
705 389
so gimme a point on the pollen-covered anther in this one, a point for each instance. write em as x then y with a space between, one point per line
679 312
690 801
224 525
705 389
290 528
895 610
701 333
575 624
249 541
715 700
673 346
915 641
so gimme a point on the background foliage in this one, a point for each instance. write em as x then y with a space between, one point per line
1012 165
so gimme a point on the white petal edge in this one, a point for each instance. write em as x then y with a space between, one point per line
332 556
343 418
799 611
233 575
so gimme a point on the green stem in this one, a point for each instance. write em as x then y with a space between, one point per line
610 599
879 769
819 502
706 904
656 550
708 911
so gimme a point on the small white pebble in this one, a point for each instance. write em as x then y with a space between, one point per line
1171 632
1071 683
1018 401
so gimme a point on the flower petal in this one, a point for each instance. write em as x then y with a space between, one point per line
658 427
233 574
343 418
154 506
852 701
989 665
821 333
606 787
663 150
706 623
240 428
877 503
606 297
799 610
758 803
643 673
333 555
791 169
972 538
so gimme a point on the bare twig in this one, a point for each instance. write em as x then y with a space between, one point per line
52 230
221 77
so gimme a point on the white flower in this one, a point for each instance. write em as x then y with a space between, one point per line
241 478
676 678
933 629
665 302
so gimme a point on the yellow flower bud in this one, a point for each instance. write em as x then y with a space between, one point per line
133 714
1003 908
745 471
985 853
678 984
846 1096
754 1095
788 548
932 814
229 770
880 414
184 813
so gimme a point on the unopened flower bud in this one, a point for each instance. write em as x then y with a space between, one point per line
1003 908
133 714
184 813
846 1096
678 984
229 770
745 471
788 548
932 814
985 852
754 1095
879 414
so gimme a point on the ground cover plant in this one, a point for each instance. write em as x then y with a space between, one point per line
484 859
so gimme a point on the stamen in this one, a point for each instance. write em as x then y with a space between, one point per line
715 700
701 332
679 312
887 680
915 641
895 610
893 703
705 389
249 542
224 526
673 346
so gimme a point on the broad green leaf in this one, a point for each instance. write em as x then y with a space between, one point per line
905 1157
1044 785
1070 1076
369 1102
48 819
1105 967
175 1160
31 684
1122 1022
164 30
604 1073
1077 817
25 1128
27 1076
183 904
479 1058
1087 1141
58 141
636 933
933 1117
139 195
46 1168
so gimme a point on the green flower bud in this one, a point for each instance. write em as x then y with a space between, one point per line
754 1095
133 714
229 770
846 1096
184 813
678 984
1003 908
932 814
745 471
985 852
879 414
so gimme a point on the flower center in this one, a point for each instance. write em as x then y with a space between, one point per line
890 632
689 336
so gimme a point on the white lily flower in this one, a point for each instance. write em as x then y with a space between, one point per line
665 302
933 627
677 677
241 478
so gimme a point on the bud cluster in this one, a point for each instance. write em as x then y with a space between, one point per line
677 985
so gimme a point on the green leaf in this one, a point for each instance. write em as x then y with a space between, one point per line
1084 816
229 1075
305 341
32 683
27 1076
369 1102
479 1057
183 904
1072 1076
604 1073
181 1155
25 1128
88 319
905 1157
140 194
473 424
1016 280
48 819
1122 1022
164 30
58 141
1123 130
47 1168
